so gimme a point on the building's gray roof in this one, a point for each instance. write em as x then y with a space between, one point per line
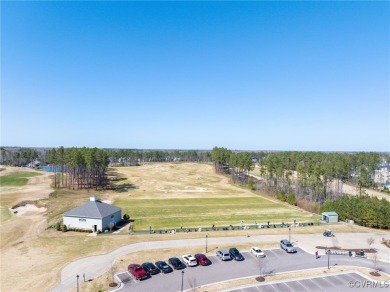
330 213
94 209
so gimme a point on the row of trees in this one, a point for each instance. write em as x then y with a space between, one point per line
317 176
80 168
20 157
364 210
238 164
131 157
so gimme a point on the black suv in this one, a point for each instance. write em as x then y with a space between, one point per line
176 263
164 267
235 254
150 268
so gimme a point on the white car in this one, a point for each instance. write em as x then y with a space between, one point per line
189 260
257 252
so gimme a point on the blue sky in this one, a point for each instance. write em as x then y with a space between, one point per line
194 75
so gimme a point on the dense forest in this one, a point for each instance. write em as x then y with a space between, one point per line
364 210
307 179
15 156
126 157
19 157
79 168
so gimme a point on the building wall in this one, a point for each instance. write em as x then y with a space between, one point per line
112 218
332 219
84 223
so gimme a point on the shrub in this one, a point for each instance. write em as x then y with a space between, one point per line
291 200
64 228
99 231
58 226
126 217
281 196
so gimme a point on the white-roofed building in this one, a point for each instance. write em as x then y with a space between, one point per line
94 215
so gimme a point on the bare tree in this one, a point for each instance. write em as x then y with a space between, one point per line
262 265
113 270
192 283
335 242
111 226
370 241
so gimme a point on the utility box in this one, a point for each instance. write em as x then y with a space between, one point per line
330 217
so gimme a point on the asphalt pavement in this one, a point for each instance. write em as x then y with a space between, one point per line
276 261
95 266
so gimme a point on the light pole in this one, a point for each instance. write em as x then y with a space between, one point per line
206 243
77 277
182 276
289 234
328 250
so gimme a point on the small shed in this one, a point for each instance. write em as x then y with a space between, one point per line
330 217
94 215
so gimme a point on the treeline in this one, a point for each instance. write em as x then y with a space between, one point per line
363 210
238 164
79 168
317 176
306 179
126 157
20 157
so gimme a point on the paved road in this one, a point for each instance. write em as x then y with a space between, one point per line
276 261
95 266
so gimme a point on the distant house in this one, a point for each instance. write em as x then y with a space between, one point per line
94 215
330 217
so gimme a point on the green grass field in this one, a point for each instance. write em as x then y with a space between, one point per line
16 179
204 212
5 214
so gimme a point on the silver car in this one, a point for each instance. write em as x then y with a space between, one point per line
287 246
223 255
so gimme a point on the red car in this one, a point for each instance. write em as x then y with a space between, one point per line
137 271
202 259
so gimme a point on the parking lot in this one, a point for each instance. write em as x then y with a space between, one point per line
337 282
276 261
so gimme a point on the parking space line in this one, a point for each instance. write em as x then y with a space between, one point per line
326 279
315 283
284 287
303 286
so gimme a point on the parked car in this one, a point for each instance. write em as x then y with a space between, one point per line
189 260
287 246
223 255
202 259
137 271
176 263
150 268
256 251
164 267
235 254
328 233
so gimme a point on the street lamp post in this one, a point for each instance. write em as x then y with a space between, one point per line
77 277
206 243
182 276
328 257
289 234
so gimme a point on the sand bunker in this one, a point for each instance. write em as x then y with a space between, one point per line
28 210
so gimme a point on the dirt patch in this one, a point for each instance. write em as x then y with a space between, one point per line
375 274
28 210
387 243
